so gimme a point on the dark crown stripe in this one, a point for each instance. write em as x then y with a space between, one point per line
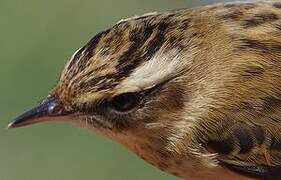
259 19
77 62
156 43
134 55
91 46
268 47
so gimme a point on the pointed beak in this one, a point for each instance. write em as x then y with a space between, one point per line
49 110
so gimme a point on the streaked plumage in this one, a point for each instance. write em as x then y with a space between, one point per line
195 92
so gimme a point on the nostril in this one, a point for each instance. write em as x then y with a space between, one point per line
53 105
56 109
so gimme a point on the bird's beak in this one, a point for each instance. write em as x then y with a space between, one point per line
49 110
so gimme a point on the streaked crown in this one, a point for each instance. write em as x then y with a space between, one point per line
133 55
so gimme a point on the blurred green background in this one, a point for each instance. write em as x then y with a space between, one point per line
36 39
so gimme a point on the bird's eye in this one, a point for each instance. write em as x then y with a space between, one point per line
124 102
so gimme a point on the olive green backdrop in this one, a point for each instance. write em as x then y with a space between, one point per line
36 39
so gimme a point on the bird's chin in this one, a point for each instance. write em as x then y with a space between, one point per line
90 122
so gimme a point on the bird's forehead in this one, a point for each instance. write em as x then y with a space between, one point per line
130 54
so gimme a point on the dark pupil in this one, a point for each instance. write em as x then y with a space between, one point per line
124 102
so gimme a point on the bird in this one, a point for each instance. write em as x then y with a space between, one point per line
196 92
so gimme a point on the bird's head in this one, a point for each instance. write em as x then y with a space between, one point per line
148 83
135 83
127 80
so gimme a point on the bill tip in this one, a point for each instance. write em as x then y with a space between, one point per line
11 125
